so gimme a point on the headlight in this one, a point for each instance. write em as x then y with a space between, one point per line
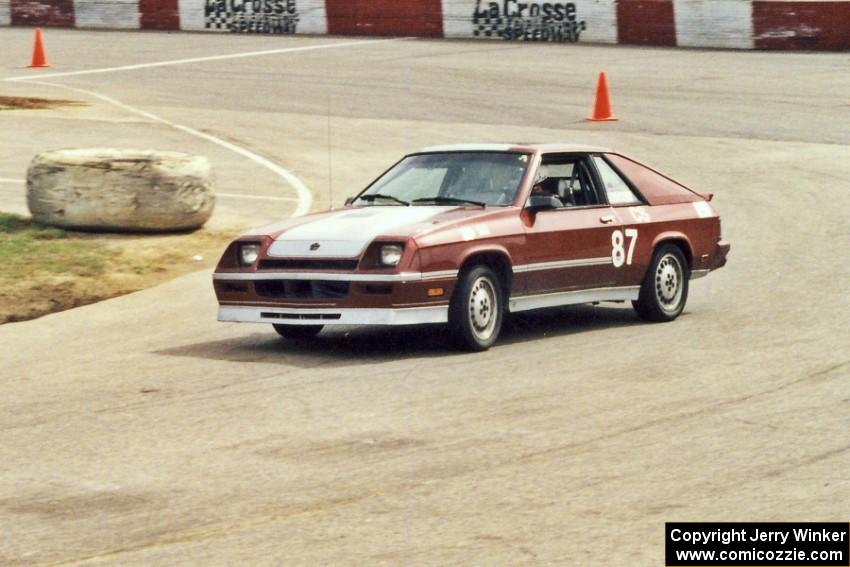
248 253
391 254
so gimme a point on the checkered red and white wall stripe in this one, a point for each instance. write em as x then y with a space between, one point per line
744 24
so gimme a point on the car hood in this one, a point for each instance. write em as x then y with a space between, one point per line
345 233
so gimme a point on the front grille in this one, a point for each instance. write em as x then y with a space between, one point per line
302 316
307 264
301 289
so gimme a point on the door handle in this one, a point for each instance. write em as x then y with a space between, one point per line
606 219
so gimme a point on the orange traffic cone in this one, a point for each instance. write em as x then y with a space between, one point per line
38 57
602 107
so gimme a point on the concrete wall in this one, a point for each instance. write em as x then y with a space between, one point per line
5 16
422 18
801 25
714 23
741 24
115 14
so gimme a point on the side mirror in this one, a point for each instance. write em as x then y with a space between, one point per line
542 203
349 200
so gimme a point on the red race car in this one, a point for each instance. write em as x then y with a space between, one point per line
463 234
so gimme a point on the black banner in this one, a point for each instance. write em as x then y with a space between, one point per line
743 544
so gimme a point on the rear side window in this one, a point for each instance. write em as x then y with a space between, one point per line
654 187
618 191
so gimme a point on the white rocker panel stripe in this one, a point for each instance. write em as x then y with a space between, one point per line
525 303
562 264
330 316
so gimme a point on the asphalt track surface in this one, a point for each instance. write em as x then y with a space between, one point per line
140 431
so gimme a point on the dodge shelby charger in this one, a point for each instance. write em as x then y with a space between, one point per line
462 235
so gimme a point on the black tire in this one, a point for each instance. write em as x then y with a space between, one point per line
664 291
476 310
297 331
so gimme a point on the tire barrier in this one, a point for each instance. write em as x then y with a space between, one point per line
120 190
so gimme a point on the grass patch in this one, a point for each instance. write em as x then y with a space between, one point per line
44 269
33 250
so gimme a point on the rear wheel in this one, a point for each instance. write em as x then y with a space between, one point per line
664 291
297 331
476 310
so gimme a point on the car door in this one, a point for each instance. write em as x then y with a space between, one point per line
631 245
569 246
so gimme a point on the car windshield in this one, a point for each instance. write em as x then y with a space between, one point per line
451 179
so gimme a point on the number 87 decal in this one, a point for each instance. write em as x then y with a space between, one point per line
618 254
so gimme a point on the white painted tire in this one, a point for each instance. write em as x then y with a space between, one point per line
121 190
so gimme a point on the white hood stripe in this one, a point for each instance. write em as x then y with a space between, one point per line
346 233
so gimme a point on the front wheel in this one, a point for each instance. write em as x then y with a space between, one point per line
297 331
476 309
664 291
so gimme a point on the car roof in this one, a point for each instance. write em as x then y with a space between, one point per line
516 147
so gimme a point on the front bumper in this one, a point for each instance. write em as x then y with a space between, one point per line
311 298
331 316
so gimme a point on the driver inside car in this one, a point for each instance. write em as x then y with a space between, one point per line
546 187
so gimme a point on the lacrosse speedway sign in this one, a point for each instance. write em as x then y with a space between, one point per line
528 21
252 16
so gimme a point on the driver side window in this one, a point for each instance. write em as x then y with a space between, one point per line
567 180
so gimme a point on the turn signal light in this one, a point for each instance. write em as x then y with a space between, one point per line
436 292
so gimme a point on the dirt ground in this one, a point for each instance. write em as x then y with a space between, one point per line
33 103
65 269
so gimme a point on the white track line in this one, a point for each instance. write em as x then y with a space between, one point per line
305 198
201 59
255 197
7 180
